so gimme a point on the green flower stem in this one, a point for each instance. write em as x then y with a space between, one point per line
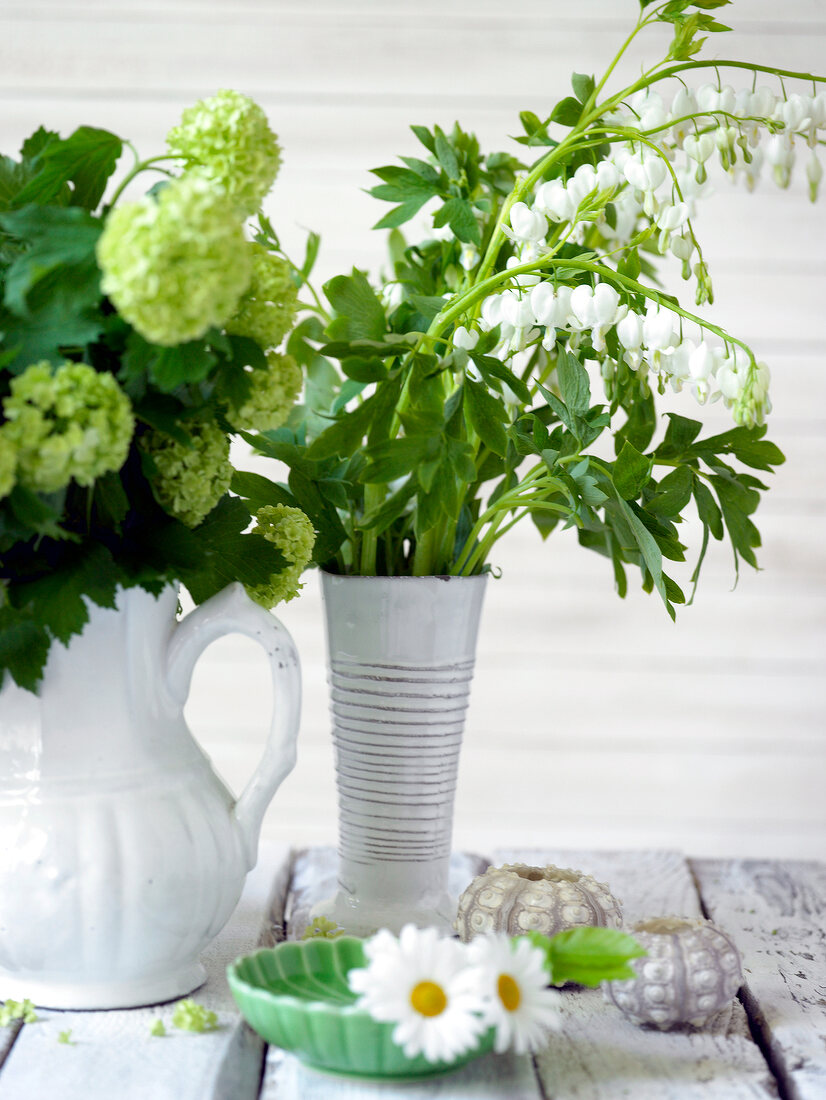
631 284
141 166
425 553
373 497
536 480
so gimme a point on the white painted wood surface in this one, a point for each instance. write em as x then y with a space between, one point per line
616 727
774 911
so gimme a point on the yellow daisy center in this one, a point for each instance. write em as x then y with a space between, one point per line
428 999
509 993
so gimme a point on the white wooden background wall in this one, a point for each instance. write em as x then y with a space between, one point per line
594 722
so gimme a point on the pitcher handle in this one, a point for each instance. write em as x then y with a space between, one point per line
231 611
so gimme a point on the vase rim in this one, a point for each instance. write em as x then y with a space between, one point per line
401 576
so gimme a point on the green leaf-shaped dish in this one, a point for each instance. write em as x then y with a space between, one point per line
296 997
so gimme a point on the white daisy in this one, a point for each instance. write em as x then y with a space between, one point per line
514 981
423 984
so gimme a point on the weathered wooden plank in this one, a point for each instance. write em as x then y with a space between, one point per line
489 1078
115 1055
314 878
598 1054
776 913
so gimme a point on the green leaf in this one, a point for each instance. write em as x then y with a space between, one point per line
393 458
574 383
425 137
86 159
228 554
648 548
364 370
346 434
487 416
491 367
24 646
57 600
680 434
330 532
673 492
589 956
445 154
567 112
259 491
707 510
57 238
181 365
360 313
632 471
36 512
458 214
53 288
583 86
390 510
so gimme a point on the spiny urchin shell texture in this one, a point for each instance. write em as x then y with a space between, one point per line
691 971
516 899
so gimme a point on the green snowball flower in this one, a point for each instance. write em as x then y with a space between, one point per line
291 531
273 392
190 480
8 465
175 264
74 423
267 311
228 141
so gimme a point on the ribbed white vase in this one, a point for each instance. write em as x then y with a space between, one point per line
122 854
401 653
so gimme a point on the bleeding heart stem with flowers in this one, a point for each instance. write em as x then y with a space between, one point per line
466 391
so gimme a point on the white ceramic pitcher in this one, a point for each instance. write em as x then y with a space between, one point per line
122 854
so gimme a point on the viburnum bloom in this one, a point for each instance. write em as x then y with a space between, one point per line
267 310
422 983
227 140
190 478
272 393
512 978
8 466
291 531
175 263
72 423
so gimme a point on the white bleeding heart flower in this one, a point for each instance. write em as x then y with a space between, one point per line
682 247
544 304
796 112
763 102
607 175
699 147
630 331
464 339
703 361
554 201
527 224
658 328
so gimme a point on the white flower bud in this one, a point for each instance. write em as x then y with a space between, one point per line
814 174
682 247
469 256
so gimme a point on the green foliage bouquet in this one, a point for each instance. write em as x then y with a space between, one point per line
527 327
135 337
